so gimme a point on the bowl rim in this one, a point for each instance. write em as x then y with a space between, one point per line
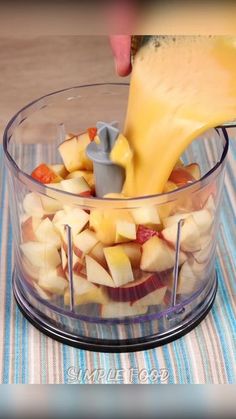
94 202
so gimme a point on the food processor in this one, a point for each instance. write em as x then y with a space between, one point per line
82 309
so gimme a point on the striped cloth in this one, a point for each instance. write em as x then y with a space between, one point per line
205 355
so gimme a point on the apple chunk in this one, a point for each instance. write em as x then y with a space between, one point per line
157 256
41 255
97 274
189 276
77 186
97 253
32 205
133 251
119 265
73 153
44 174
84 242
50 205
28 228
46 233
155 297
118 310
194 170
146 216
59 169
125 231
189 237
86 174
86 292
138 289
76 218
52 281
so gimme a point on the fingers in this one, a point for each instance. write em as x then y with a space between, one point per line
121 46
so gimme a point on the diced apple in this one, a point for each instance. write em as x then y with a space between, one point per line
86 174
46 233
125 231
59 169
44 174
189 276
28 228
169 186
137 289
97 274
53 282
180 176
207 246
174 219
119 310
86 292
50 205
30 272
77 186
147 216
41 255
210 204
194 170
104 222
32 205
189 237
84 242
42 293
157 256
144 234
204 220
76 218
133 251
73 153
119 265
155 297
58 215
97 253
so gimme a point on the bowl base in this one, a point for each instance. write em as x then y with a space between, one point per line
98 345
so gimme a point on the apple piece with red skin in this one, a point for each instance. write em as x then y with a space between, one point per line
137 289
77 186
120 310
73 153
44 174
194 170
97 274
180 176
28 228
158 256
144 234
92 132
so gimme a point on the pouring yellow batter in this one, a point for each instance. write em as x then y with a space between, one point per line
179 88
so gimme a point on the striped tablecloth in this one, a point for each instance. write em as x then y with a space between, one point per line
205 355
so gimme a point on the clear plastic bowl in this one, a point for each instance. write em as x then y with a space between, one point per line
167 297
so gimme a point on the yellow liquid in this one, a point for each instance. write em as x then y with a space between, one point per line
179 88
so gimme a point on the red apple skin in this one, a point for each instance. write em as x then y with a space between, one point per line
137 289
78 252
78 268
27 231
144 234
181 176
